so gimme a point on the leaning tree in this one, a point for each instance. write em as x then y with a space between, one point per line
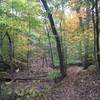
57 38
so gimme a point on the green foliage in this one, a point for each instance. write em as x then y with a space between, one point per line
6 89
17 18
30 92
54 74
26 17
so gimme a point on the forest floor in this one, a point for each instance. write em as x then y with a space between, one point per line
36 75
77 85
84 86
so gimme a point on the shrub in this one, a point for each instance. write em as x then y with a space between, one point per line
54 74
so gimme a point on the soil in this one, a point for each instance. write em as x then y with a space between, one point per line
79 84
85 87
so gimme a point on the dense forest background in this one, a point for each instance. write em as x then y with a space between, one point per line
56 34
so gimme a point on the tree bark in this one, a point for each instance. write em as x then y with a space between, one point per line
97 33
1 57
10 46
50 46
95 18
57 38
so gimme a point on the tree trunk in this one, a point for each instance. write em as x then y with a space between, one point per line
85 56
57 38
51 53
1 57
97 33
95 18
10 47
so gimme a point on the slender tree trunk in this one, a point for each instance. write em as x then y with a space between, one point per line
97 33
1 58
10 47
57 38
85 56
86 59
51 53
80 50
93 20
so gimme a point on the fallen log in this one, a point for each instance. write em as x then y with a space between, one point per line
22 79
5 79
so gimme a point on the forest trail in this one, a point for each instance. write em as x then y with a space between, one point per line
79 84
42 81
38 70
85 87
64 90
73 71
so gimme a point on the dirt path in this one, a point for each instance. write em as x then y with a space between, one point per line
64 91
73 87
85 87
